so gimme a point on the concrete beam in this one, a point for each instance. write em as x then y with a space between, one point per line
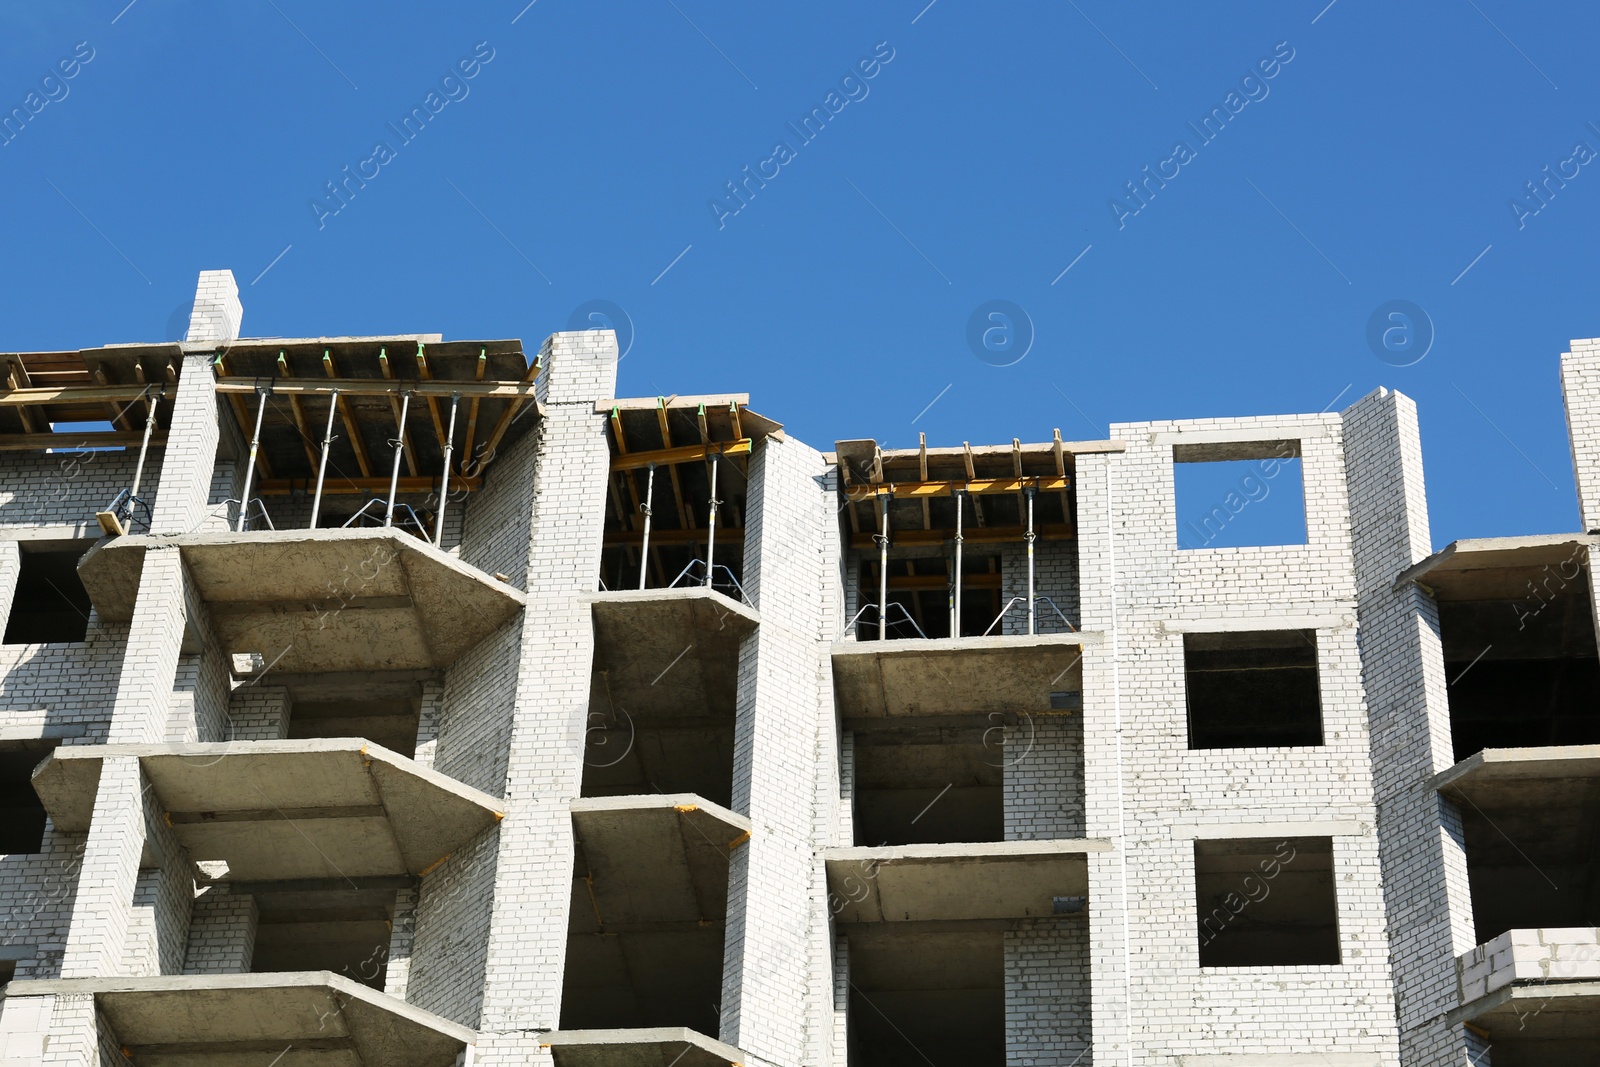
654 859
662 1046
957 676
990 880
1537 1012
277 810
307 1019
670 652
319 600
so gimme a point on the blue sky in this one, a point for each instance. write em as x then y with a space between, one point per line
978 163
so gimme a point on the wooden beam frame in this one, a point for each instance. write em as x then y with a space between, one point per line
315 386
988 535
631 461
394 408
345 414
976 487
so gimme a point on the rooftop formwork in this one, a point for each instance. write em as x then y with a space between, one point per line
394 700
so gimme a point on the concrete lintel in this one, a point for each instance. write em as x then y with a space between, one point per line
957 676
284 810
1536 1010
1284 1059
655 859
195 1020
319 600
660 1046
1244 831
987 880
1342 620
1465 570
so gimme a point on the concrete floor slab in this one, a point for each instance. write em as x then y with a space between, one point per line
664 1046
957 676
654 860
1498 568
276 810
306 1019
668 653
991 880
1540 801
319 600
1533 1017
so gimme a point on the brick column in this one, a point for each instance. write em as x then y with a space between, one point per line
526 952
10 568
1402 664
1580 392
777 932
191 453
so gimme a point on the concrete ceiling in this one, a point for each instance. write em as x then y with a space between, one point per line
959 676
662 1046
945 882
278 810
653 860
318 600
1517 802
1561 1019
306 1019
666 653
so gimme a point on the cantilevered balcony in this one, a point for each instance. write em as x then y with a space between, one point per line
304 1019
284 810
664 1046
308 601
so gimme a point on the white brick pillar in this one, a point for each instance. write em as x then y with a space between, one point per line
778 941
1580 391
102 912
526 952
150 662
1421 852
217 314
191 452
10 568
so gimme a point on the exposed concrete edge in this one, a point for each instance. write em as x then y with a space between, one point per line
1268 428
1525 989
1246 830
1471 545
662 802
655 596
1323 621
1502 764
654 1035
918 645
45 987
1284 1059
980 850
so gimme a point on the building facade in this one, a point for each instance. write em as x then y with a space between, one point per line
395 701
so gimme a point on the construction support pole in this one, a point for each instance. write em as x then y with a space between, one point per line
144 448
955 621
399 449
250 469
444 479
711 527
1030 561
322 464
883 574
644 546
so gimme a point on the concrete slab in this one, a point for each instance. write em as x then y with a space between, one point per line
1522 805
1538 1013
1498 772
669 652
306 1019
957 676
276 810
662 1046
1498 568
319 600
990 880
654 860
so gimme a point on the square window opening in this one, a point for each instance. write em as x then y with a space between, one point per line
50 605
1266 902
937 784
1252 689
1239 495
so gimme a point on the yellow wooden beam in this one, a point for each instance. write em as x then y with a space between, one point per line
977 486
632 461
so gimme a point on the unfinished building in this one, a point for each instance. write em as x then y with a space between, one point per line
393 700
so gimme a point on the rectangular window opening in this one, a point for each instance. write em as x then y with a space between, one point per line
22 815
937 784
1239 495
345 931
50 605
1266 902
930 990
1252 689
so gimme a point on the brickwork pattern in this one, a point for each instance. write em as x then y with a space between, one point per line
1047 994
1580 392
64 490
182 503
222 932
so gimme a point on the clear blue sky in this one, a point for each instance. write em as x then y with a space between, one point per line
976 164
